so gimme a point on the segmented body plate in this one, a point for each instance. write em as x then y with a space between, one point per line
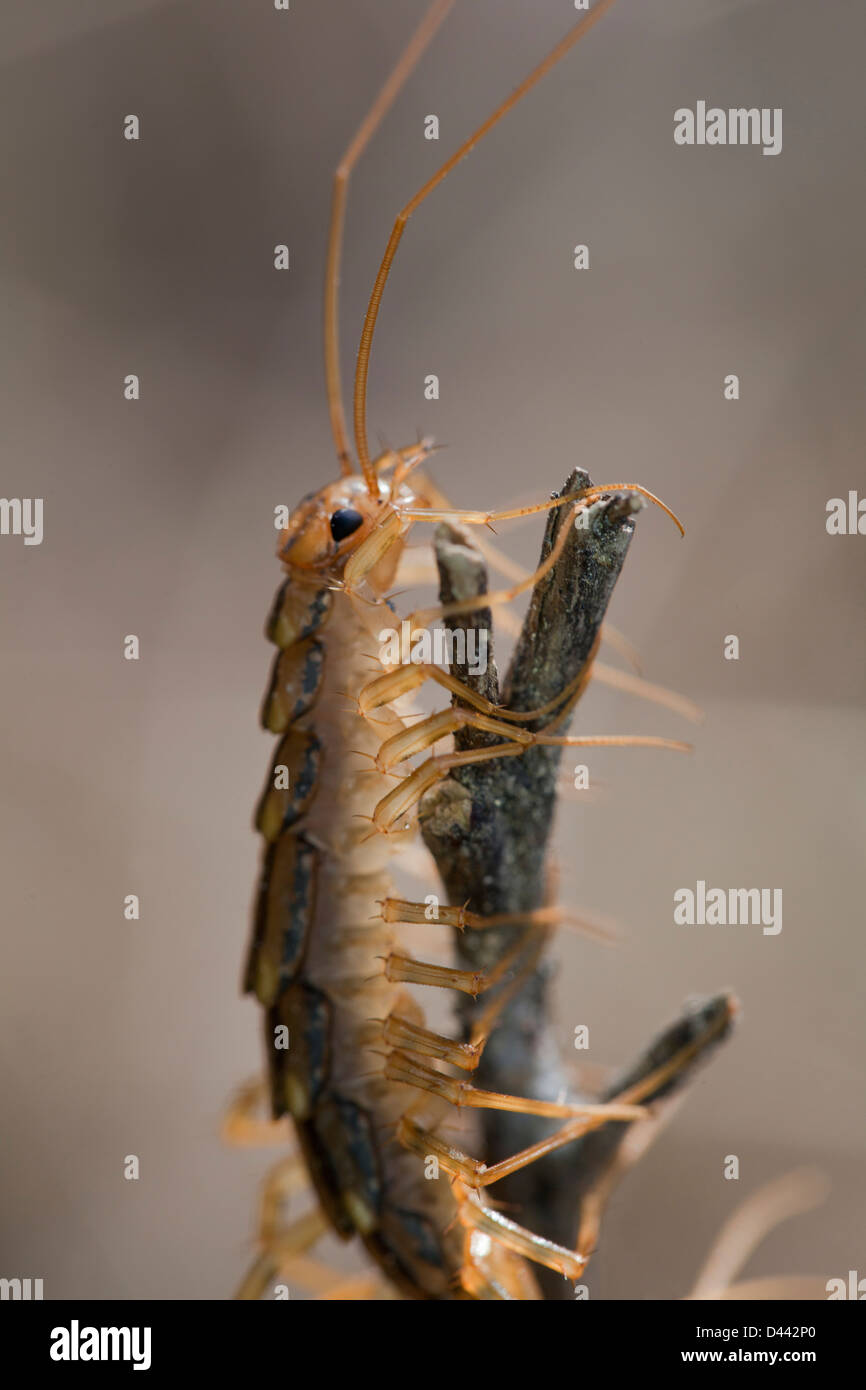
316 957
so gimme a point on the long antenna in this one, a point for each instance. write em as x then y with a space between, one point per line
363 360
414 49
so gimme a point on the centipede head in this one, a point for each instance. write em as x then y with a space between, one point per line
330 524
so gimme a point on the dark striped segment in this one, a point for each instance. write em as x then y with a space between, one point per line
408 1249
296 679
298 611
292 783
337 1136
284 912
346 1132
299 1073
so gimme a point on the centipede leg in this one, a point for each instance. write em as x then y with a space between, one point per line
631 684
403 1068
438 726
245 1125
361 1288
285 1180
406 795
279 1247
283 1249
474 1216
583 496
407 1035
409 677
503 564
402 910
317 1279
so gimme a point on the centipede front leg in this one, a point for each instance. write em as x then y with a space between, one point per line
376 1095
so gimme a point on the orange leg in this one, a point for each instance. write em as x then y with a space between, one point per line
438 726
397 804
403 1068
510 569
585 495
245 1125
278 1250
476 1217
410 676
399 910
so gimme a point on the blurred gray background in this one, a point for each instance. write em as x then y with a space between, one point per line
156 258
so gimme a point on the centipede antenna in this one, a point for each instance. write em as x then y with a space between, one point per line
388 94
790 1195
363 360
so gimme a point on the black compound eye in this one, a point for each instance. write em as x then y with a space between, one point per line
344 523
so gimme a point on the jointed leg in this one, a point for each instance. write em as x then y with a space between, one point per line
586 495
399 802
476 1217
408 1036
400 910
510 569
244 1124
430 731
278 1251
409 677
578 501
404 1069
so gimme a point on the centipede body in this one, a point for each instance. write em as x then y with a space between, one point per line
369 1086
313 962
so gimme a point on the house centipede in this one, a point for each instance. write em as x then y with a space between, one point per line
369 1087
